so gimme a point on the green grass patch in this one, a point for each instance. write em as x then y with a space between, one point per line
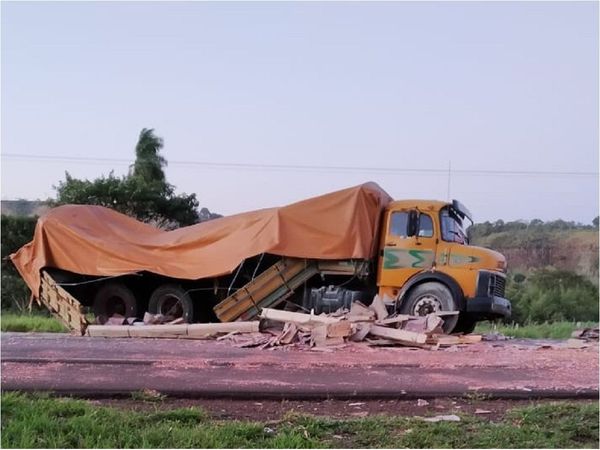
30 322
550 330
33 421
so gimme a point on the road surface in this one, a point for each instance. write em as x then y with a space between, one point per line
189 368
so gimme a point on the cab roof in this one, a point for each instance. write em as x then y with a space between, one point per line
423 205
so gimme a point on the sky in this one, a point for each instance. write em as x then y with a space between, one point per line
263 104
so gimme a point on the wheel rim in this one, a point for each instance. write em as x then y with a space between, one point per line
171 306
427 304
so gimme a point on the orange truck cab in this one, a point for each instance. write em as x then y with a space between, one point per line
427 265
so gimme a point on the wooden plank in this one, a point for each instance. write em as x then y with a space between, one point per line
445 341
362 330
470 338
211 329
108 330
296 317
396 319
158 331
318 336
342 328
433 324
401 336
379 308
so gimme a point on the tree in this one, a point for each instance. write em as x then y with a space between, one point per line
596 221
144 193
149 163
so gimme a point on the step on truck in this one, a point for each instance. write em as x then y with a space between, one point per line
319 254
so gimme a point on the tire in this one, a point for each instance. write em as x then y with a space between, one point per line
431 297
114 298
465 324
173 300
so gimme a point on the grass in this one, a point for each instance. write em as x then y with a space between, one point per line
34 421
30 322
553 330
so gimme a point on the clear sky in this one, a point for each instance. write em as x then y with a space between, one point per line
478 85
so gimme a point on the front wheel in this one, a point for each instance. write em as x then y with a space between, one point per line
431 297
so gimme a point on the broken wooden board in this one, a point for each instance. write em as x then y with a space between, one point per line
362 330
357 309
342 329
379 308
401 336
288 334
394 320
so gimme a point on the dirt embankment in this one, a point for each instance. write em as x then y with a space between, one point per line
572 250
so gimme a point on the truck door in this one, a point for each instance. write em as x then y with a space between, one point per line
408 246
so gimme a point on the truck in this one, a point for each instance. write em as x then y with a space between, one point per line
320 254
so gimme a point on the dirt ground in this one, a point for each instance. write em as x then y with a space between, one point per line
273 410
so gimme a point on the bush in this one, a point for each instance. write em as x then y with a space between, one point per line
552 295
16 232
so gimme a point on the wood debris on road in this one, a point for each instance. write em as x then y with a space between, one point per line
280 329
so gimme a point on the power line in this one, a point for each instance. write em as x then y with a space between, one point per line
299 167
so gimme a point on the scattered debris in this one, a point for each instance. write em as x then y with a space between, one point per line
482 411
116 319
421 402
322 332
586 334
495 336
445 418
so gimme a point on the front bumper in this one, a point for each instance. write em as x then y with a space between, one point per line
489 306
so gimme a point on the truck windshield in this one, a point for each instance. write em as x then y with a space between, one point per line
452 228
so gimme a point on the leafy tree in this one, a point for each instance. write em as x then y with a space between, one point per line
596 221
149 163
144 193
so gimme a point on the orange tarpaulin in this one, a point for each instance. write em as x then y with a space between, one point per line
93 240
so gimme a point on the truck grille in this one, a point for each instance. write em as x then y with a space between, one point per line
497 285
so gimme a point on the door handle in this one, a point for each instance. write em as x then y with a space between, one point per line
390 244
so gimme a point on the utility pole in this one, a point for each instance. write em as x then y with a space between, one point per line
449 176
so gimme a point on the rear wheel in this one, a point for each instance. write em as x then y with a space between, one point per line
114 298
172 300
431 297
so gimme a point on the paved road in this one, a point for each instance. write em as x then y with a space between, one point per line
105 367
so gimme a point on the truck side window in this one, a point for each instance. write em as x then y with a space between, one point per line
425 226
399 224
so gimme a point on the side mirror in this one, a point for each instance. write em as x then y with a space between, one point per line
413 223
